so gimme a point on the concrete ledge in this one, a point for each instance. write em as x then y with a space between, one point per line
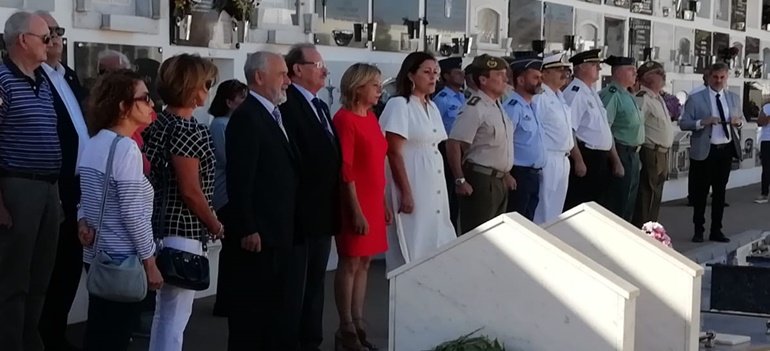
714 252
133 24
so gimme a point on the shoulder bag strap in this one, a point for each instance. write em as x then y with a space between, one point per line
107 173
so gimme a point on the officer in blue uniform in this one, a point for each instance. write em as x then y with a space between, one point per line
528 134
450 101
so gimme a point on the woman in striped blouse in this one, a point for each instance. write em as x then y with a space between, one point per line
118 105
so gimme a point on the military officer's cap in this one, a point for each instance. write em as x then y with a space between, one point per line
523 62
617 61
450 63
487 63
586 56
555 61
649 66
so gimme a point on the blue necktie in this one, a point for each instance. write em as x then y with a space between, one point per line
322 110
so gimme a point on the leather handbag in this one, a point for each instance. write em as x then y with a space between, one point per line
179 268
113 280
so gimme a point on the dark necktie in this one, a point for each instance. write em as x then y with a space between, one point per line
722 117
279 120
323 116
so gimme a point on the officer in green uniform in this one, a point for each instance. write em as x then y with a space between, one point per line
627 127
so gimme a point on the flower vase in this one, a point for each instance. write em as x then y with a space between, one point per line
183 27
241 30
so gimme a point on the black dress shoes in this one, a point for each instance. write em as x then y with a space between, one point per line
697 238
719 237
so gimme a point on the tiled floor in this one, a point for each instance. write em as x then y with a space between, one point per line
206 332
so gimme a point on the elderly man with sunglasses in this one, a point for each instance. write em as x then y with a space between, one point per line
68 95
30 164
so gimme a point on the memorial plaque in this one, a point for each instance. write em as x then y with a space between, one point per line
144 59
663 39
447 20
639 37
738 15
588 31
642 6
684 39
594 1
722 10
392 33
205 26
614 36
524 21
721 42
558 22
753 63
337 19
702 50
619 3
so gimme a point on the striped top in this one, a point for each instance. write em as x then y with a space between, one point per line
126 225
29 141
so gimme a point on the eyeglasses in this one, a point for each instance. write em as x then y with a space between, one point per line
45 38
58 31
145 98
318 64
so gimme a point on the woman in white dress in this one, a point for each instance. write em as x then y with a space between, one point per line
416 188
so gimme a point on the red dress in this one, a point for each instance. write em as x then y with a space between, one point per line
363 162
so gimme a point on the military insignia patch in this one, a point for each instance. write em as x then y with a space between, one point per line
474 100
613 90
442 94
512 102
641 93
575 88
491 64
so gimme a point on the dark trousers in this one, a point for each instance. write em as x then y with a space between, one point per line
713 173
620 196
764 154
268 295
591 186
225 271
27 255
311 322
525 198
488 200
651 180
63 285
454 204
109 324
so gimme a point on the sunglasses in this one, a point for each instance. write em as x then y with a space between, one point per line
144 98
45 38
58 31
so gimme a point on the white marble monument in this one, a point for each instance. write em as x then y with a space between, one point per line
517 282
668 307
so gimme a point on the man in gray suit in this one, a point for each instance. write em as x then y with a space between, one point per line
713 115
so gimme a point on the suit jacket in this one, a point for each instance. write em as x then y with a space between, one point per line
319 180
69 185
262 177
698 107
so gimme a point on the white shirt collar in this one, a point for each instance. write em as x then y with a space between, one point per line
306 93
265 102
58 69
714 93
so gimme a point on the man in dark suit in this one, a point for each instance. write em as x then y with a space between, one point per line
73 134
309 120
713 115
262 180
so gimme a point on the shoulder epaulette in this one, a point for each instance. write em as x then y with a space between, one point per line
612 89
442 94
474 100
513 102
641 93
575 88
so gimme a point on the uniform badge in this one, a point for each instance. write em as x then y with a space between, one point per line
527 117
575 88
492 64
512 102
613 89
442 94
474 100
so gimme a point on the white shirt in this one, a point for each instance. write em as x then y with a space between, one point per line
555 115
309 97
717 132
71 103
270 108
589 118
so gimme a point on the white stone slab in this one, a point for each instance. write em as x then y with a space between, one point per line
668 307
518 282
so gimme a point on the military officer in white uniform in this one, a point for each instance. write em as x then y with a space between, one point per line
590 159
554 114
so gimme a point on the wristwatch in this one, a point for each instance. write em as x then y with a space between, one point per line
459 181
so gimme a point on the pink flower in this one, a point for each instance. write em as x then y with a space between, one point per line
657 232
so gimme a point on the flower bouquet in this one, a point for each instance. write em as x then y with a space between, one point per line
468 343
657 232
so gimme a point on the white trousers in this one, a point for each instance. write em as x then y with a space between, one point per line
173 306
553 187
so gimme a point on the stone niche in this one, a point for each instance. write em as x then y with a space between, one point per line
135 16
668 307
518 283
34 5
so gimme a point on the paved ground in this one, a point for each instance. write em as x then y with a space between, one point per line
209 333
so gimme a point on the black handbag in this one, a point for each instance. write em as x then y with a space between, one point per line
179 268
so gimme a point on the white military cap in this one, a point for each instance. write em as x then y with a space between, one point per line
555 61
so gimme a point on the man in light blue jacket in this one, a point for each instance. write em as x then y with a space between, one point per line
714 116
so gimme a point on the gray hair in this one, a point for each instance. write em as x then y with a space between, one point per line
125 63
15 26
256 62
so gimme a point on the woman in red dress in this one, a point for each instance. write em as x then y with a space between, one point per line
364 219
